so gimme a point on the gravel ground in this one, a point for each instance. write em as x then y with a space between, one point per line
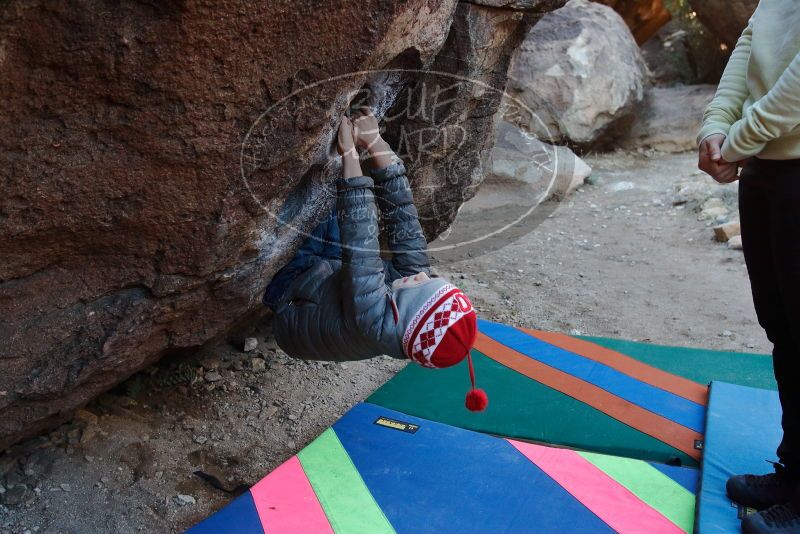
630 255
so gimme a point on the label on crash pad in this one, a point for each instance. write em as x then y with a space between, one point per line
742 511
397 425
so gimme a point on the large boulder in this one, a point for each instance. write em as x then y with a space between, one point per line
581 72
685 52
162 160
643 17
669 118
526 179
726 19
540 171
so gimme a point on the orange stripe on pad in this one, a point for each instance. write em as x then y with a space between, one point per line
654 425
654 376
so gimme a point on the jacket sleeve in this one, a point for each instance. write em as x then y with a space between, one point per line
406 239
770 117
726 106
364 289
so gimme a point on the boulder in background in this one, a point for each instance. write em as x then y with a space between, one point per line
542 170
579 74
669 118
643 17
726 19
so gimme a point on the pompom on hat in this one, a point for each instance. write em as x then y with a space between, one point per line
441 334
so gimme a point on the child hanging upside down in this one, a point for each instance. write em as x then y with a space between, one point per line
338 300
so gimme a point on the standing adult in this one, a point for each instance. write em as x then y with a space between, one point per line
753 124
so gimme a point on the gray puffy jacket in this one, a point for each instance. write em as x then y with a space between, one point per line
344 310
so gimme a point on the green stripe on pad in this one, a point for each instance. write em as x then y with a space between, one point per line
700 365
341 491
650 485
519 408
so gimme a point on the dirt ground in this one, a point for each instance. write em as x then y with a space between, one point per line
616 259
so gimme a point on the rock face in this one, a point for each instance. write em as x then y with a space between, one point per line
161 161
725 18
643 17
443 122
581 71
669 118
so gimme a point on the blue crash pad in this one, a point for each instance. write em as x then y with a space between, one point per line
743 430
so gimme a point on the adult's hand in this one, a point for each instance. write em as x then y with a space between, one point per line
710 160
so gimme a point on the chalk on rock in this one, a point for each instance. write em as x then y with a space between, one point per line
724 232
250 344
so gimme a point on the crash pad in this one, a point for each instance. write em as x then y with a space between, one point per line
743 431
378 470
574 392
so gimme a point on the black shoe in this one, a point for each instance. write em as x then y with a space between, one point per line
762 491
780 519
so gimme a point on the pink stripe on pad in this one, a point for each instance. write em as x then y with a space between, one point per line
286 502
614 504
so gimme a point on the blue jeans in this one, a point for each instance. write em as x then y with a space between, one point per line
323 242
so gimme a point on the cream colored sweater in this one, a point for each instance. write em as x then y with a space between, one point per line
757 105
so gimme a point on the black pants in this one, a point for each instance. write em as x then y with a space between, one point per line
769 206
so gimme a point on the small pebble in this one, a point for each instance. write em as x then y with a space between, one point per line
212 376
735 243
184 500
250 344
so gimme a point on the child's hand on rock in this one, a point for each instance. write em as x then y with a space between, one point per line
345 143
368 135
366 129
351 164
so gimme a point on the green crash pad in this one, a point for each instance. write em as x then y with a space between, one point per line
699 365
523 408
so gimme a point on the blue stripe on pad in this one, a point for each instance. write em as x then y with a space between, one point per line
685 476
445 479
240 516
664 403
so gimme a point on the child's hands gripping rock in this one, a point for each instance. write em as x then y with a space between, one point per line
345 143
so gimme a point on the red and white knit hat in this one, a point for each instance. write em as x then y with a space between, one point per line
442 333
